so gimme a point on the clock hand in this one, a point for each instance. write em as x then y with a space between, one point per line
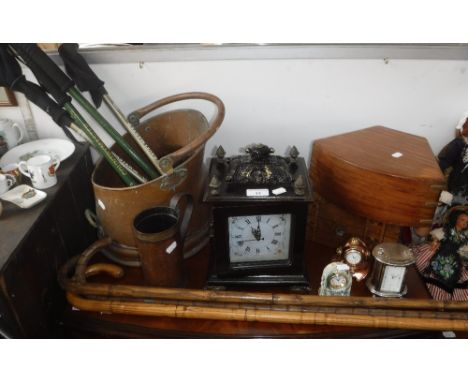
256 233
260 238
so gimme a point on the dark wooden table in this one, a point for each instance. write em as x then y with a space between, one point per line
35 242
87 324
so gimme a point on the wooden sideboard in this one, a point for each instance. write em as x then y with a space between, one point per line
35 242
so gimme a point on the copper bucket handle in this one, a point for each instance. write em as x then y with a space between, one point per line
168 160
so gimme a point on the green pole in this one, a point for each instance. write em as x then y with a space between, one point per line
112 132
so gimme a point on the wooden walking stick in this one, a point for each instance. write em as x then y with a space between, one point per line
255 314
78 284
252 306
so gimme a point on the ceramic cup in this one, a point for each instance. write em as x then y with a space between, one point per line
6 181
12 169
41 169
10 132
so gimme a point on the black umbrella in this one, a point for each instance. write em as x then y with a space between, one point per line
86 80
78 69
12 77
47 71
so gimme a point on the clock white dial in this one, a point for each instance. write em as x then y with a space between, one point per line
392 279
259 237
353 257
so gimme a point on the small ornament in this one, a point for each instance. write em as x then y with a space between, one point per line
356 255
336 280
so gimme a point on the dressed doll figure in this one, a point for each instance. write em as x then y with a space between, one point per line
441 263
455 155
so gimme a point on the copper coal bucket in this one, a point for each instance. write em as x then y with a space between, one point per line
176 137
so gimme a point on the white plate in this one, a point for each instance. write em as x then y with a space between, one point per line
51 146
24 196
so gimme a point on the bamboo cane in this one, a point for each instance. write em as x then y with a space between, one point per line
79 285
262 307
259 307
265 315
316 308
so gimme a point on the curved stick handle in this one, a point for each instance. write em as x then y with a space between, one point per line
168 160
187 213
111 269
72 285
86 256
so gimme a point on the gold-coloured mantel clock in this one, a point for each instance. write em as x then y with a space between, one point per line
259 211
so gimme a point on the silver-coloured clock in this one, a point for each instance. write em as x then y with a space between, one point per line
391 261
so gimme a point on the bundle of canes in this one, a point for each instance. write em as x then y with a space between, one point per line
47 72
263 307
11 76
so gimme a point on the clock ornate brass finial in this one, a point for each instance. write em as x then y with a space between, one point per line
220 152
293 154
214 185
299 185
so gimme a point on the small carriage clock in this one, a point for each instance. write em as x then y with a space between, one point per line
389 272
259 212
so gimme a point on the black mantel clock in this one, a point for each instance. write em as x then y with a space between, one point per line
259 213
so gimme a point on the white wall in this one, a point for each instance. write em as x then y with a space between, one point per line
283 102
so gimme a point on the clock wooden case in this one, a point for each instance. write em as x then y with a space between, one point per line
259 212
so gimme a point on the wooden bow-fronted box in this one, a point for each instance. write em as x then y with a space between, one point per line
379 175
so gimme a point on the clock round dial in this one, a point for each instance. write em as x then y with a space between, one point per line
353 257
257 238
337 281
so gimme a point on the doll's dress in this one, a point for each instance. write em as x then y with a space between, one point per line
436 268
